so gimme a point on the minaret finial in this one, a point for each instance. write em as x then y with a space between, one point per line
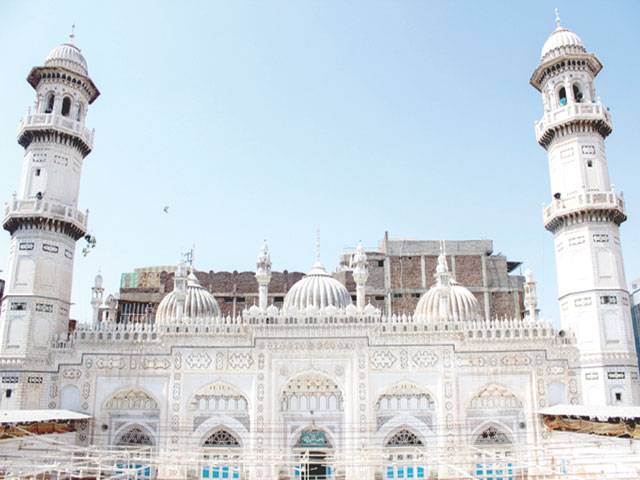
557 18
317 245
72 35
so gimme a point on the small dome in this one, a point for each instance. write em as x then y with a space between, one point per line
67 56
445 303
199 304
316 291
98 281
561 41
447 300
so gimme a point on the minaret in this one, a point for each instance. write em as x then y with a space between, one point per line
43 218
530 297
263 276
97 292
360 274
584 216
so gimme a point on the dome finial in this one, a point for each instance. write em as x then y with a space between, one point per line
557 18
317 244
72 35
442 259
188 257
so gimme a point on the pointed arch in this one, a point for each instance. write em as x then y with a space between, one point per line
66 106
131 398
494 395
311 391
217 422
404 437
331 439
491 433
134 435
222 438
219 397
49 102
403 396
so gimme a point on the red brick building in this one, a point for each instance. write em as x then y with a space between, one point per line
400 271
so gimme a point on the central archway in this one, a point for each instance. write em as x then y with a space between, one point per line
315 452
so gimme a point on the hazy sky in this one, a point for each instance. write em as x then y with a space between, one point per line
257 120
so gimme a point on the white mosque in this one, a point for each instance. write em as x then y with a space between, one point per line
322 387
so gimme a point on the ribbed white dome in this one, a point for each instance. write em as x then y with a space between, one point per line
67 56
447 303
561 41
315 291
199 304
447 300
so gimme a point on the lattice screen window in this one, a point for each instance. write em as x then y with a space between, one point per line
493 463
135 436
404 438
492 436
221 438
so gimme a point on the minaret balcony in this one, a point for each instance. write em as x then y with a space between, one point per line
573 112
33 122
17 212
610 203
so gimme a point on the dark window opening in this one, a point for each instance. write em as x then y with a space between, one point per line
381 263
50 100
9 392
37 172
415 295
397 295
278 299
618 397
379 298
66 106
562 96
589 163
577 94
240 300
228 299
354 298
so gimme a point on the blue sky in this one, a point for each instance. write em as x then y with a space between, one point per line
257 120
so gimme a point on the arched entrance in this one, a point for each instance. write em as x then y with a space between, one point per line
494 455
315 455
221 455
404 452
134 445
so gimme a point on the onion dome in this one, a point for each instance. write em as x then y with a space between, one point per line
317 291
67 56
187 304
562 41
447 300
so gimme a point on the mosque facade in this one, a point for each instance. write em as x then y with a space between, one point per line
321 386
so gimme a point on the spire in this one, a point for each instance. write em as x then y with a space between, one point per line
442 259
442 275
263 276
72 35
360 275
318 245
530 296
558 26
